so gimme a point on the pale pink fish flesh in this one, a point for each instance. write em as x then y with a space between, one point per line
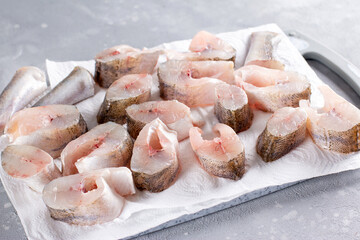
49 128
174 114
90 198
271 89
77 86
223 156
106 145
263 50
27 85
154 162
285 130
193 83
118 61
336 126
126 91
32 165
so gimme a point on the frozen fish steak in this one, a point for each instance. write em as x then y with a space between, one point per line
106 145
126 91
223 156
285 130
210 47
232 108
77 86
49 128
271 89
174 114
27 84
193 83
336 126
115 62
89 198
263 50
154 162
32 165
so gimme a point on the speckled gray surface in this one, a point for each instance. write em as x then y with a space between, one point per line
321 208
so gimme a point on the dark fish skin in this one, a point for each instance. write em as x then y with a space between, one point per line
159 181
108 71
77 86
233 169
342 142
114 110
271 147
239 119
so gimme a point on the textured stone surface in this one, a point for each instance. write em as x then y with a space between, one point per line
321 208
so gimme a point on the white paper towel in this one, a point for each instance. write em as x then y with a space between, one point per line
194 189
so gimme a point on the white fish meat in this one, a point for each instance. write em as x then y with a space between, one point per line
115 62
77 86
26 86
285 130
126 91
174 114
154 162
32 165
49 128
193 83
263 50
232 108
271 89
223 156
336 126
90 198
106 145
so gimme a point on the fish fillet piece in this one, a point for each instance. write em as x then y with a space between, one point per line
49 128
262 51
210 47
223 156
106 145
174 114
232 108
336 126
126 91
154 162
115 62
285 130
193 83
271 89
32 165
89 198
77 86
27 84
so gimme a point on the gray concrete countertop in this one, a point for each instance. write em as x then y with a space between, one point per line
321 208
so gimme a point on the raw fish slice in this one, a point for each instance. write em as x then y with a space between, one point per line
224 156
106 145
193 83
262 51
232 108
270 89
77 86
336 126
211 47
115 62
285 130
27 84
49 128
31 164
154 162
126 91
89 198
174 114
